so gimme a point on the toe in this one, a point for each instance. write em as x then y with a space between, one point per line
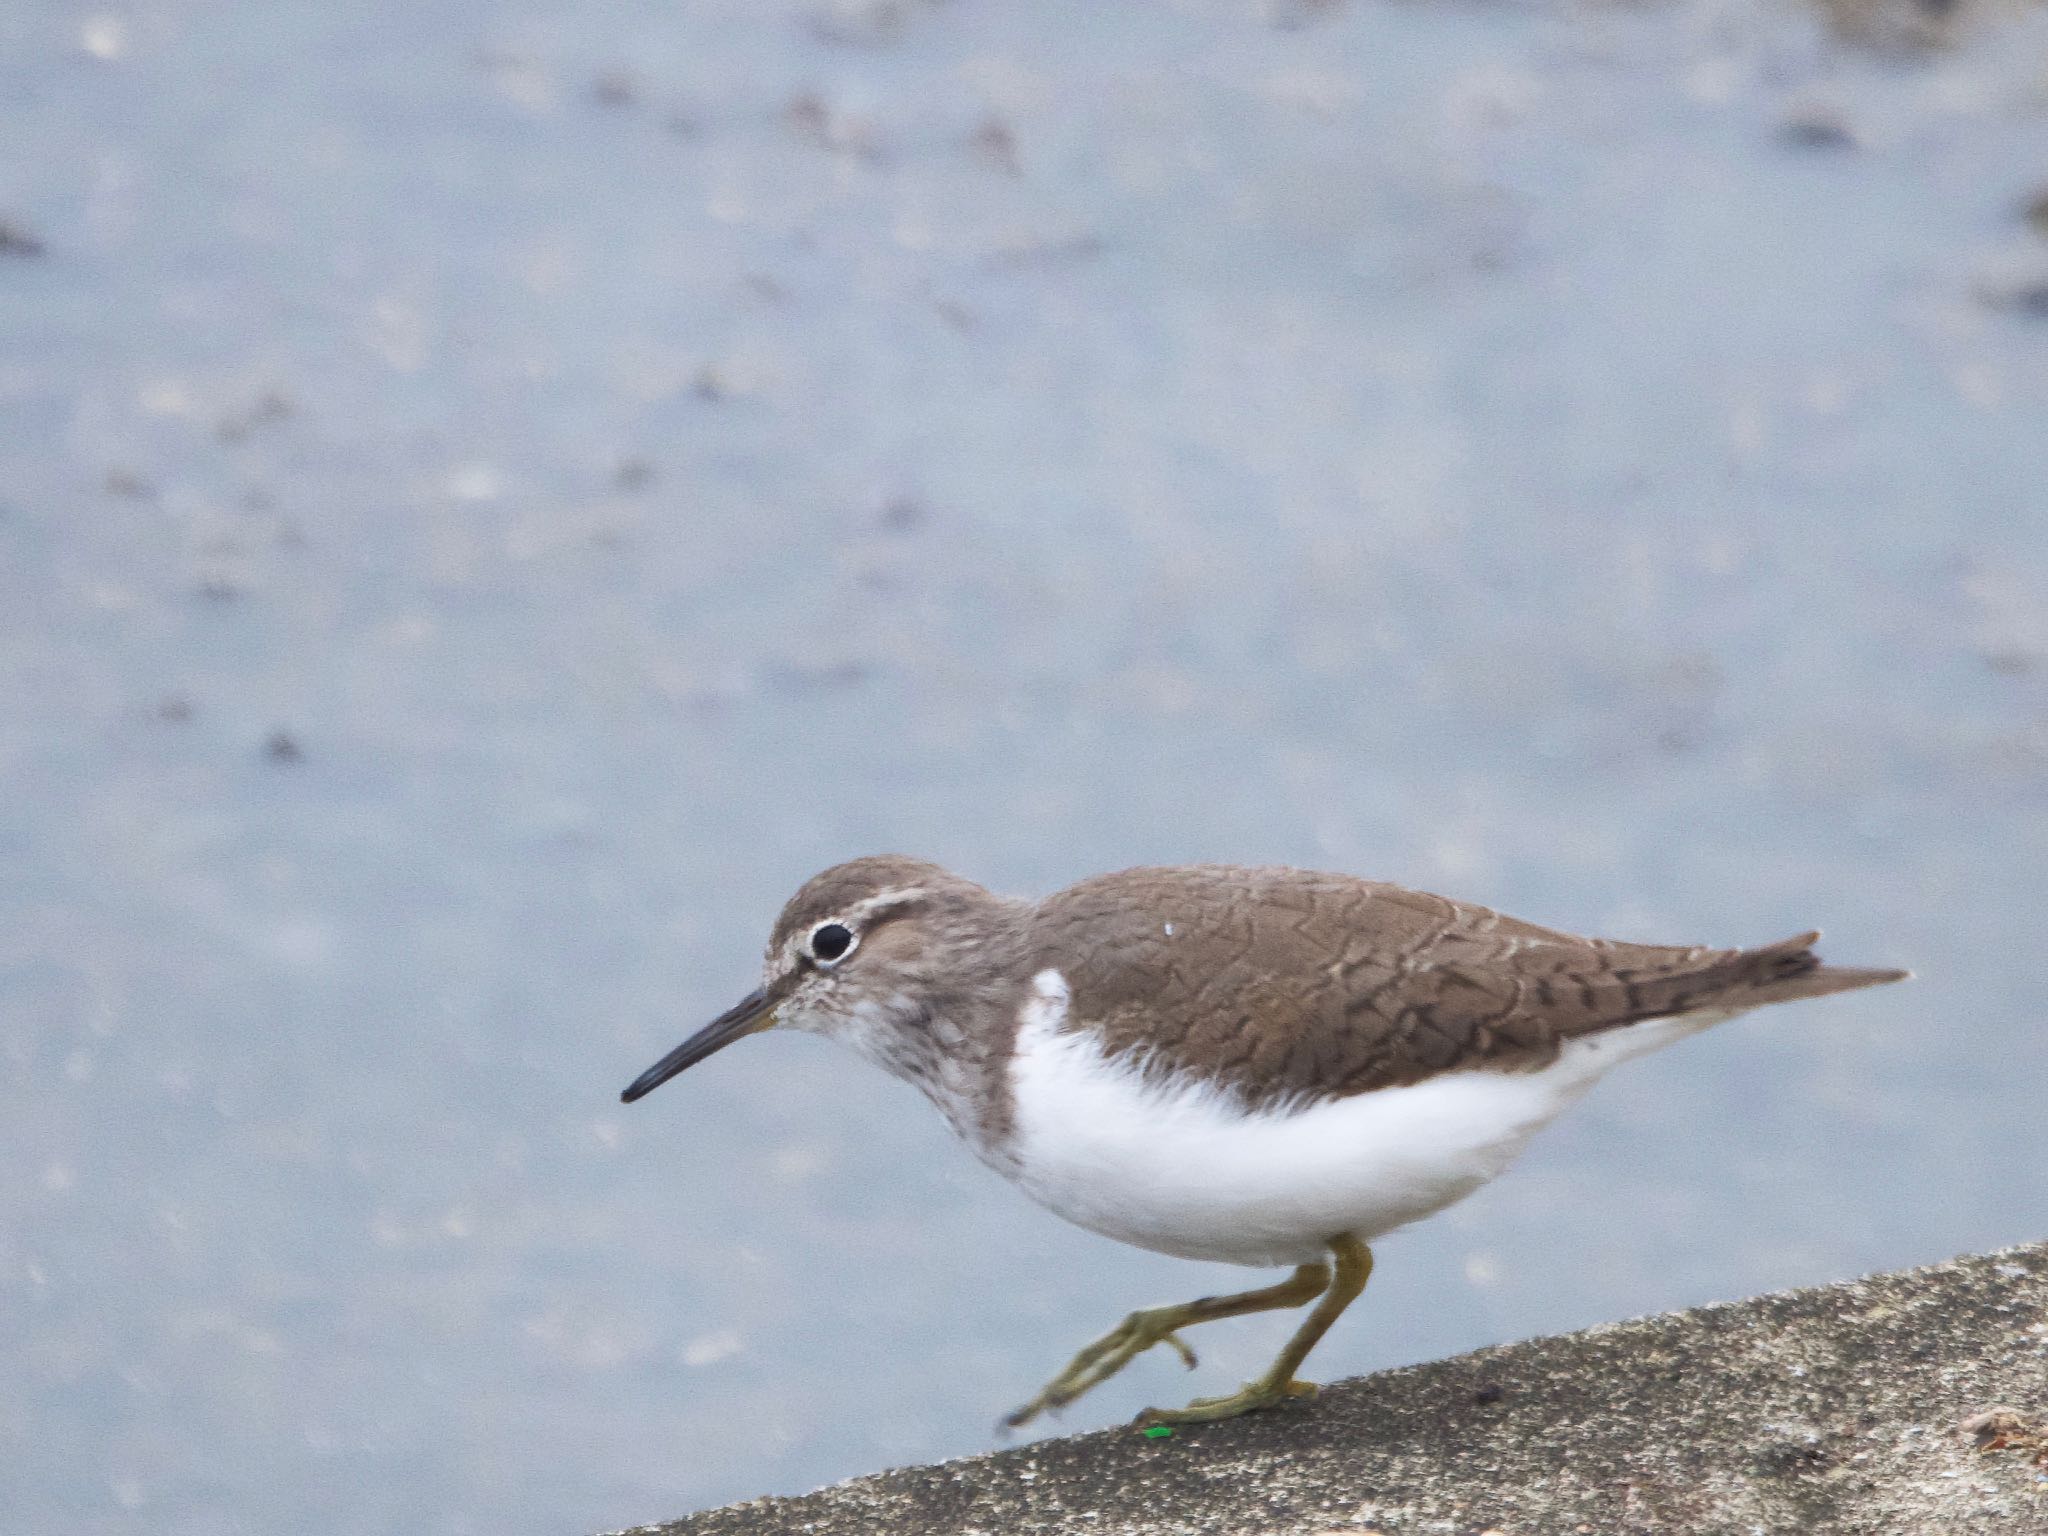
1207 1410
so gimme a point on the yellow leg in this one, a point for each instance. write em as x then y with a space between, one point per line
1354 1268
1156 1325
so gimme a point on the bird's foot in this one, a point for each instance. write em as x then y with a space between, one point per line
1254 1395
1108 1355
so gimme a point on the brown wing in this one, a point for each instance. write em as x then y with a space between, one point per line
1294 983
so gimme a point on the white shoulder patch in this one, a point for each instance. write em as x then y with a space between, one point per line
1046 1009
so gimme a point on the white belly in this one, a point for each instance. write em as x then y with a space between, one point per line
1180 1166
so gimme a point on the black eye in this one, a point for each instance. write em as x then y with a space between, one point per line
831 940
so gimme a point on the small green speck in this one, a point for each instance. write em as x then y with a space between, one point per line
1159 1432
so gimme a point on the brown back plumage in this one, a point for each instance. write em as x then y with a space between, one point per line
1291 983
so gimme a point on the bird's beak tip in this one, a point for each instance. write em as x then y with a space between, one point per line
754 1012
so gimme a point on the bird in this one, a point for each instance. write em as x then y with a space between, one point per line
1269 1067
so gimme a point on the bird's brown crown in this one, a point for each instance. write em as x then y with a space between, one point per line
847 888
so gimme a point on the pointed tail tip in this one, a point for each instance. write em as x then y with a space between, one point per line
1868 975
1789 970
1848 978
1838 978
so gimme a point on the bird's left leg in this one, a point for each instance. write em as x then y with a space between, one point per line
1354 1268
1156 1325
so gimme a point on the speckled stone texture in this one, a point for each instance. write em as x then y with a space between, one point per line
1818 1411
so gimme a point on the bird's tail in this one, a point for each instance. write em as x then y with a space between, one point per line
1774 973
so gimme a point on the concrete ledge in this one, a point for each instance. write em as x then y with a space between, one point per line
1840 1409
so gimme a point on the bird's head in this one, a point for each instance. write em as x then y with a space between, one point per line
859 953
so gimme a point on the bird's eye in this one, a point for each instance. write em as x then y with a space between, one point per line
831 940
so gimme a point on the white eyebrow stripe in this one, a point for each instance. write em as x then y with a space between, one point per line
853 917
881 901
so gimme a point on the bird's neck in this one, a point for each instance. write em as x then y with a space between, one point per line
952 1041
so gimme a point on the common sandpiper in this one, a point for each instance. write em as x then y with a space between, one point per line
1265 1067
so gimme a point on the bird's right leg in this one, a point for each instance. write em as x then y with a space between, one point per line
1157 1325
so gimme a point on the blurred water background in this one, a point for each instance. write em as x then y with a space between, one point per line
493 495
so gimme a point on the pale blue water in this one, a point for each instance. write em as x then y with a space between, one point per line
640 455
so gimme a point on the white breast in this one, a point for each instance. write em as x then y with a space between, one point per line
1181 1166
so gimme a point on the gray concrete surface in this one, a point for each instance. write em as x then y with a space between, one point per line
1843 1409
